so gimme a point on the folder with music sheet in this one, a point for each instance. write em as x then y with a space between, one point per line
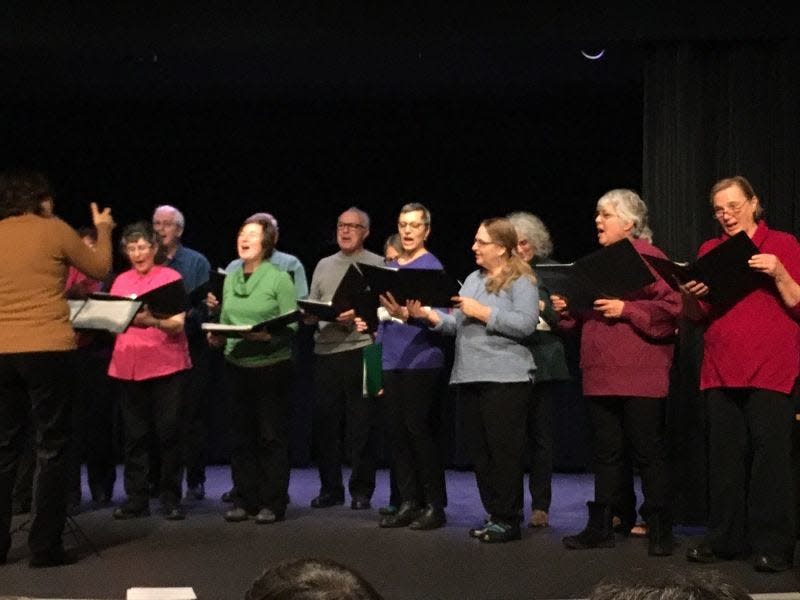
432 287
723 269
610 272
270 325
351 285
101 311
166 300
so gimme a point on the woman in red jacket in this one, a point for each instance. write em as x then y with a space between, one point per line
626 354
751 359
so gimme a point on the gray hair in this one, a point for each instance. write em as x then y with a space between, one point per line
179 220
629 207
264 216
530 227
711 587
415 206
362 215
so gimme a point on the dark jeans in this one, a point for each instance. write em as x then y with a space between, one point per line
751 496
495 423
151 409
411 407
540 443
260 425
340 404
32 386
622 422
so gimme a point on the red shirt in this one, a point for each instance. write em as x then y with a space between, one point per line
756 343
632 355
146 352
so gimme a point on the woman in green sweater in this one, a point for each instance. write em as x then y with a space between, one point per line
259 369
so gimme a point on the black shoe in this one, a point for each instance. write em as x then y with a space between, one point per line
196 492
236 515
360 504
131 511
53 558
771 563
326 501
701 553
432 517
389 509
267 517
230 495
174 513
407 513
497 532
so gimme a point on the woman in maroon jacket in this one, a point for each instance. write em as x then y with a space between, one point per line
626 354
751 360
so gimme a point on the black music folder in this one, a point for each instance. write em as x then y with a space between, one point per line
351 285
723 269
101 311
610 272
166 300
432 287
214 285
270 325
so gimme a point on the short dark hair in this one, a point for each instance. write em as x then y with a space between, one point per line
22 192
89 232
311 579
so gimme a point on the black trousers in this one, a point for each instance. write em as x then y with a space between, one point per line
540 443
495 424
93 424
751 496
260 442
151 408
340 404
195 416
32 386
411 402
622 422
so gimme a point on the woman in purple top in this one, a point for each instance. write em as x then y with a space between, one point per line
626 353
412 366
751 359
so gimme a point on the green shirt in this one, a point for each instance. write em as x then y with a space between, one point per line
267 293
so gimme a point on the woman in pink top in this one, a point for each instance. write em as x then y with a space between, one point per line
150 360
751 359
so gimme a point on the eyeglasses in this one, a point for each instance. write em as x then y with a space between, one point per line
351 226
413 225
732 208
141 249
481 243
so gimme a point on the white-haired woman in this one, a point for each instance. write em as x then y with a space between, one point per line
626 352
534 246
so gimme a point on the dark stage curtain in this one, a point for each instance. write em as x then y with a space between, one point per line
712 110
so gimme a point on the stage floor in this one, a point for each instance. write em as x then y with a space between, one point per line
220 560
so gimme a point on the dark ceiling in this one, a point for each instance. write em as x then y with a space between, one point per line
298 45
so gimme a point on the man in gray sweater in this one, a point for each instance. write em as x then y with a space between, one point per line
338 373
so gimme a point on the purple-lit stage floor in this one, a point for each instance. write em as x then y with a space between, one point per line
219 560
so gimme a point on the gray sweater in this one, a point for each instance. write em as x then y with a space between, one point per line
494 351
334 337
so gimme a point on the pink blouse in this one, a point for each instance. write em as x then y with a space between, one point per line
146 352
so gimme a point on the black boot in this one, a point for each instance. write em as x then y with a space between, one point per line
598 532
659 530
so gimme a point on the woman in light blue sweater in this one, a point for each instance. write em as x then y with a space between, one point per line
495 311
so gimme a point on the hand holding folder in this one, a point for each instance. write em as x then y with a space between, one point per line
724 270
105 312
610 272
432 287
344 299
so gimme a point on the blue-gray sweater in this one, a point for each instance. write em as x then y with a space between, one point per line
494 351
